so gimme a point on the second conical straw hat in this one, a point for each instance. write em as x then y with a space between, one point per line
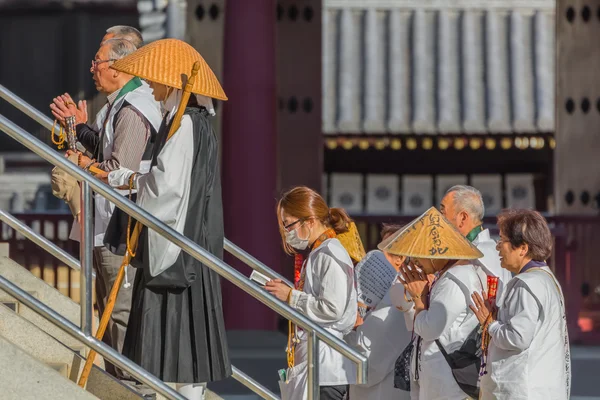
430 236
352 242
170 62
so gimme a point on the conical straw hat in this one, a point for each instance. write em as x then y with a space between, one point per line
166 61
430 236
352 243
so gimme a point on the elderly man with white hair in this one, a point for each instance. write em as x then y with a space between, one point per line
124 32
463 207
119 138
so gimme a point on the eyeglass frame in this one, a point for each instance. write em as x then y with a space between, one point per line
288 226
95 63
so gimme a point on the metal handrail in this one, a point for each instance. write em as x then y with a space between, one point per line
252 262
107 352
189 247
70 261
252 384
40 240
85 283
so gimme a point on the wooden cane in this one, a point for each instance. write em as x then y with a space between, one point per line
114 291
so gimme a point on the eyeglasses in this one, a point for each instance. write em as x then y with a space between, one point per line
287 227
95 63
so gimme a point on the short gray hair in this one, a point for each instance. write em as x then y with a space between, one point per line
127 33
119 48
467 198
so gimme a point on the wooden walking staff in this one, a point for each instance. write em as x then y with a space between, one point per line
133 241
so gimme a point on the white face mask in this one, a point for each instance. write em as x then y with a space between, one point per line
294 240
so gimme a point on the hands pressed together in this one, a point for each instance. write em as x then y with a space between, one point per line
483 307
63 106
416 282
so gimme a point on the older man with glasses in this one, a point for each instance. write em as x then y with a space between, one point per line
119 137
463 207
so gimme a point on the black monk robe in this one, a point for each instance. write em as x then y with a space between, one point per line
176 329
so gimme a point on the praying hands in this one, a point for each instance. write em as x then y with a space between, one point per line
483 308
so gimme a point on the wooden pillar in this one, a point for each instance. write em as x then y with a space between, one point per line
249 148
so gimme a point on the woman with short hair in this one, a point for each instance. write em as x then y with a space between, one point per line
528 353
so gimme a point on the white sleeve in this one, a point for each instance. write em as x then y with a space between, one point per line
329 304
398 296
383 336
444 308
120 177
398 300
524 311
164 192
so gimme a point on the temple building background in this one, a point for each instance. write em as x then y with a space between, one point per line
380 104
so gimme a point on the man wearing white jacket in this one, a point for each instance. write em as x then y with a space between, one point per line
463 207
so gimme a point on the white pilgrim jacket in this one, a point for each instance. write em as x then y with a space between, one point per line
329 299
143 100
528 354
448 319
490 262
381 338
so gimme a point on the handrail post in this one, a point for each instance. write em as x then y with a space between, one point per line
312 382
86 246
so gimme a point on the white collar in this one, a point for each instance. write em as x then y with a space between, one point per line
483 236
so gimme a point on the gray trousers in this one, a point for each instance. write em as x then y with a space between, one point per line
106 265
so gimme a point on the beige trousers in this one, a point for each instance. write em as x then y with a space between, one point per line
107 265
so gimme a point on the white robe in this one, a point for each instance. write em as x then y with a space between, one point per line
164 191
528 355
381 338
490 262
450 320
329 299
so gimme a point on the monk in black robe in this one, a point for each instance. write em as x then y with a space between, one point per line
176 329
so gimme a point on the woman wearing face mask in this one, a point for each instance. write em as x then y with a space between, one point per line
441 318
528 354
324 290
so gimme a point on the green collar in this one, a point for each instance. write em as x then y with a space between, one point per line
474 232
129 87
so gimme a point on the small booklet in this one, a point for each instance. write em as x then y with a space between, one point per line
259 278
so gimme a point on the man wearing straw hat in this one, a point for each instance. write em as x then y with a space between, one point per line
176 329
444 363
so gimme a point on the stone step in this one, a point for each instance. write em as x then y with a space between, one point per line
25 378
65 360
47 295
